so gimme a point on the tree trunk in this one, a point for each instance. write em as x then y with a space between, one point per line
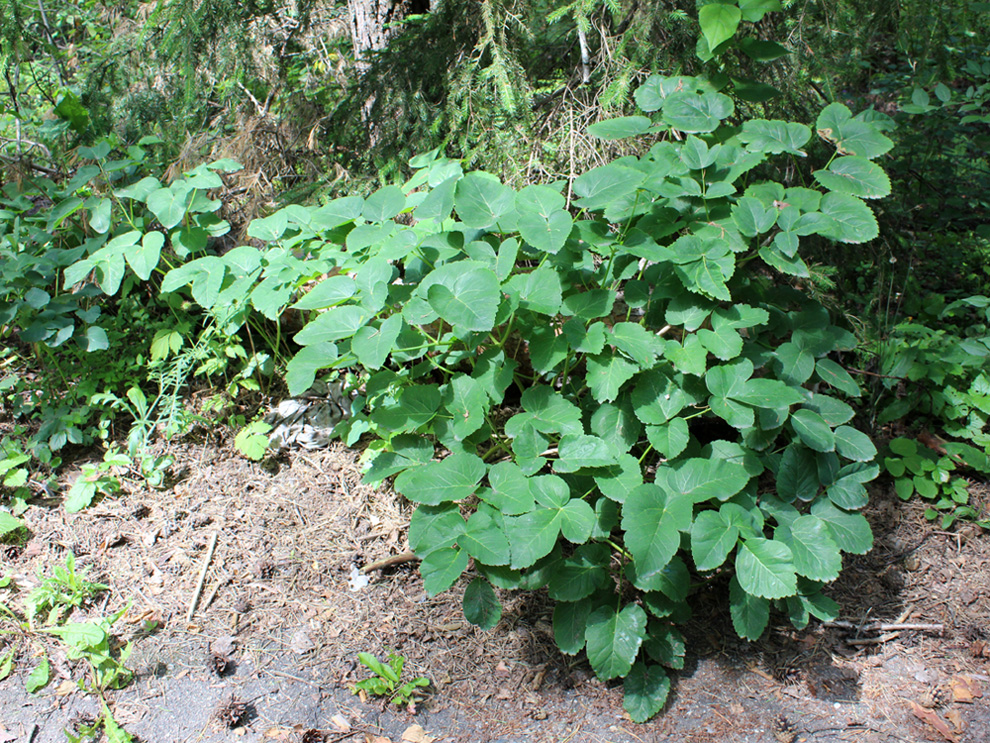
368 24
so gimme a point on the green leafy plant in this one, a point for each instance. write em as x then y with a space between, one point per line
99 478
387 681
56 595
91 641
252 440
607 399
931 475
14 476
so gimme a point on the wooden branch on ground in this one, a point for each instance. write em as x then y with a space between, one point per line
387 562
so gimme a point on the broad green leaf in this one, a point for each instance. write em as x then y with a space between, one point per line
581 574
854 445
547 233
848 490
754 10
484 538
581 450
408 450
712 539
729 380
851 136
750 614
94 339
616 423
538 291
466 295
636 342
302 368
620 128
851 531
707 276
336 212
441 568
467 403
665 645
645 691
833 411
577 521
760 50
813 431
613 639
689 310
481 606
252 440
775 137
451 479
335 324
656 398
700 479
143 258
605 185
99 216
768 393
724 344
433 527
439 202
607 374
510 491
9 523
570 620
797 476
718 23
653 520
652 94
618 480
852 220
587 305
551 412
481 200
384 204
38 678
170 204
139 191
765 568
329 292
533 535
855 176
835 375
671 438
816 555
372 345
795 364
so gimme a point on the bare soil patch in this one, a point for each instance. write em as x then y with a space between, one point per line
277 629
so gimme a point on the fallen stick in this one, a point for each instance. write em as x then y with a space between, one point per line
202 577
874 640
387 562
886 627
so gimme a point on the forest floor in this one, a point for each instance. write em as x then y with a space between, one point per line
278 608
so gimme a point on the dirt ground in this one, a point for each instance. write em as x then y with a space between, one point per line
271 650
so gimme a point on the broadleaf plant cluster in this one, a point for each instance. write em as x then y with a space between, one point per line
617 400
611 389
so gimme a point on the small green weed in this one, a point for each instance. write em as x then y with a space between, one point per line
921 470
56 595
96 478
387 680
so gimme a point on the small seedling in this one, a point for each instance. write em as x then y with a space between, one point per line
920 470
96 478
388 679
91 641
66 589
